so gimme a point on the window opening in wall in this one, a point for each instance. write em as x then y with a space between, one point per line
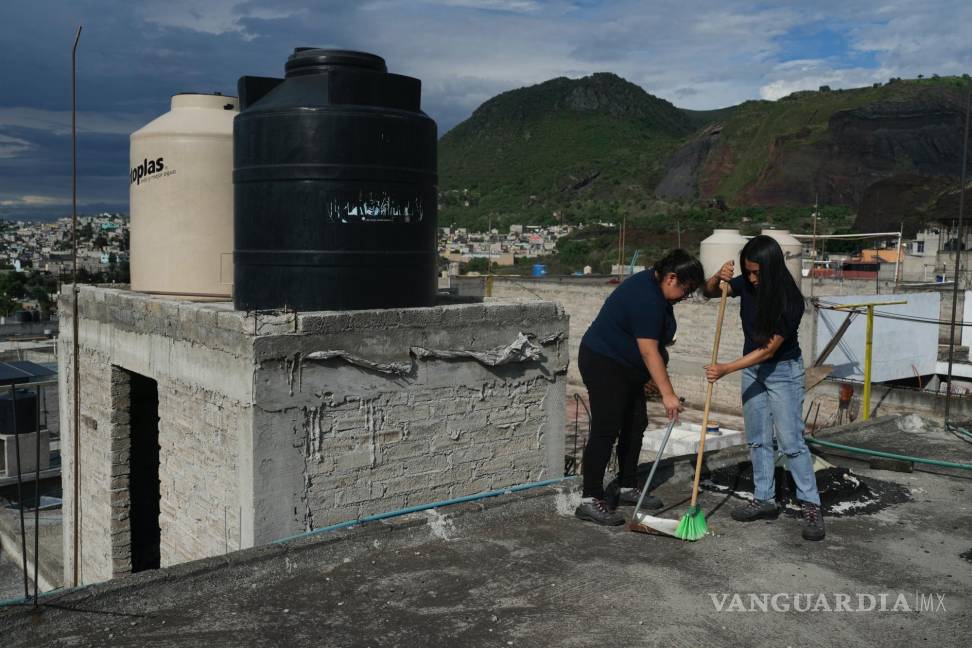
144 473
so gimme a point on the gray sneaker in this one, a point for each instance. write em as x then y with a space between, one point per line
597 511
813 524
615 496
756 510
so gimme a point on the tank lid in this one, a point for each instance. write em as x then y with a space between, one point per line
215 101
310 60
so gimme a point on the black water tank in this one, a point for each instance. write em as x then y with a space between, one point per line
335 187
26 412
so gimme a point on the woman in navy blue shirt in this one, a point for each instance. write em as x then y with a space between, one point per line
624 348
772 378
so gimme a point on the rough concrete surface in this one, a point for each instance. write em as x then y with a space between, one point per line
50 571
11 578
270 424
519 570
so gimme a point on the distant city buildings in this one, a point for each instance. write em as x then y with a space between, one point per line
28 245
530 241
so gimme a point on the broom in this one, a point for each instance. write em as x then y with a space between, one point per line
692 526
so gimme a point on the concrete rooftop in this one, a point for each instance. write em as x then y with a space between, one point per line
519 570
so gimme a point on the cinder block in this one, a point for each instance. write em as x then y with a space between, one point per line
375 319
420 317
353 460
507 415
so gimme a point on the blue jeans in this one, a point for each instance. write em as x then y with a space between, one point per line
772 396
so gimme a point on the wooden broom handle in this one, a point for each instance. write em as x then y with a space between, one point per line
708 393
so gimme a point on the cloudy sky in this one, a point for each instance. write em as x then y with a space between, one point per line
696 53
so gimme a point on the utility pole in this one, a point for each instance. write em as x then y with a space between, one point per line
813 257
958 252
489 255
897 258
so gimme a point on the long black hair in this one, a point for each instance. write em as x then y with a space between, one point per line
686 268
777 293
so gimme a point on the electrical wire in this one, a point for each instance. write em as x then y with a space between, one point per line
821 305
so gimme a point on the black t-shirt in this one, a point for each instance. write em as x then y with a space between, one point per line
787 327
636 309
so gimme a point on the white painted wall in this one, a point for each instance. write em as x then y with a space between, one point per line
900 347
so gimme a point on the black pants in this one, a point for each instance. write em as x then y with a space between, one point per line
618 413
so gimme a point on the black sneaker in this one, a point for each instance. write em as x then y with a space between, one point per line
615 497
756 510
813 524
597 511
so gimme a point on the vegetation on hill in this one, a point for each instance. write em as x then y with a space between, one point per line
602 150
574 150
834 143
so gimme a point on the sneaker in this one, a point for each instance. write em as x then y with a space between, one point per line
755 510
813 524
597 511
625 496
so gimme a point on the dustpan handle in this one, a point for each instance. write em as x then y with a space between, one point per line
654 467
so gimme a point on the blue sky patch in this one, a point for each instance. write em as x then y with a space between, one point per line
820 42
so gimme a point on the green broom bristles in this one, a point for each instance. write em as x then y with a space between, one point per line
692 526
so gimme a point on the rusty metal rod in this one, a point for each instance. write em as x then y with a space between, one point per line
37 496
76 353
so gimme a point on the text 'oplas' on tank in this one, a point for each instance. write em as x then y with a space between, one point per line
335 187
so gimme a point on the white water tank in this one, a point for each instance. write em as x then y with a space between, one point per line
181 200
723 245
792 251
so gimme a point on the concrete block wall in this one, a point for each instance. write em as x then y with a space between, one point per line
204 412
201 509
386 427
274 424
696 318
96 463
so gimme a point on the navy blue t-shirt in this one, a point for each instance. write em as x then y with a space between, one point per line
787 328
636 309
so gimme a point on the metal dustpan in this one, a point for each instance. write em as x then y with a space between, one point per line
642 522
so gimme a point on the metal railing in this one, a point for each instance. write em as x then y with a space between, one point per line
15 394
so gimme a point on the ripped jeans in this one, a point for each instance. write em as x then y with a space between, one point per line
772 396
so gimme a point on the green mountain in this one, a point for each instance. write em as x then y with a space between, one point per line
600 149
585 149
889 151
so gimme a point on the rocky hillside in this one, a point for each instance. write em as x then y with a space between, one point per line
892 152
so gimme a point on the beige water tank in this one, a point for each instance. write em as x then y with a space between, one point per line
181 200
723 245
792 251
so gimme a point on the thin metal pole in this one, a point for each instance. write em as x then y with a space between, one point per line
958 253
37 496
813 257
897 256
868 343
20 494
76 379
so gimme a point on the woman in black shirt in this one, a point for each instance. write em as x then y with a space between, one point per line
772 378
